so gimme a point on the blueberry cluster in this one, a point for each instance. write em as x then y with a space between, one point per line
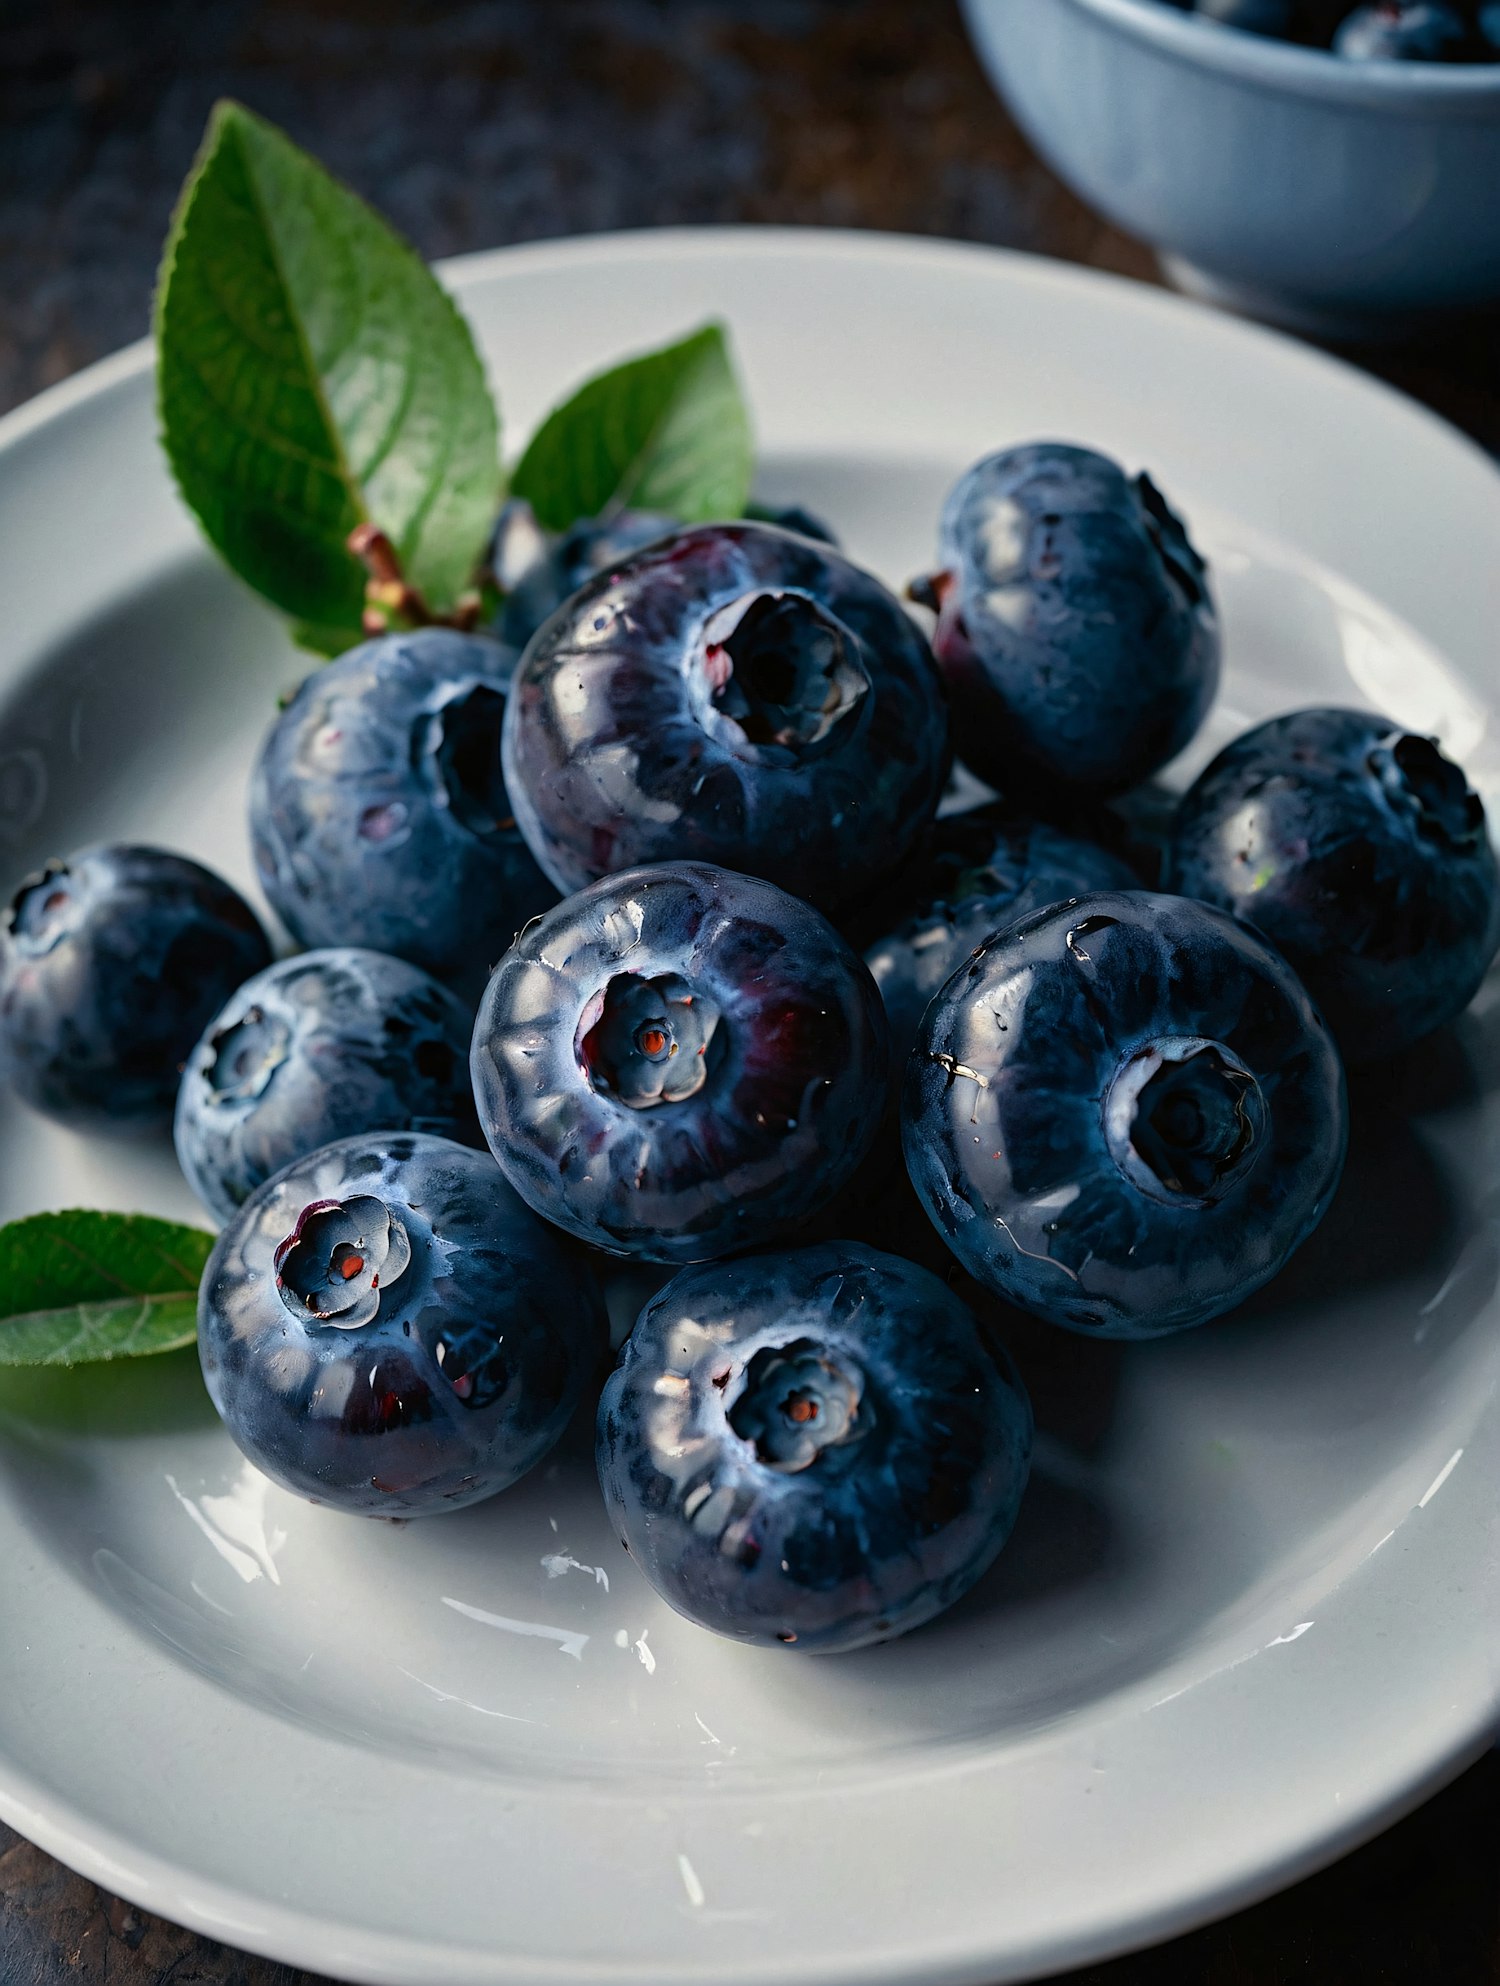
1372 31
1114 1072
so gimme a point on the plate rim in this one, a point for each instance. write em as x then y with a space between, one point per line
293 1936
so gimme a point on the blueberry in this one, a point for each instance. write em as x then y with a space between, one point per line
111 964
793 517
384 1327
1022 866
1124 1114
1362 854
1075 626
378 812
679 1062
820 1449
734 694
317 1048
539 571
1489 30
1403 31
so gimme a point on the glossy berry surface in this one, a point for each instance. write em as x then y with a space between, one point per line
678 1062
384 1327
1362 854
735 694
316 1048
111 965
1124 1114
1075 627
1403 31
538 570
818 1450
1019 866
378 811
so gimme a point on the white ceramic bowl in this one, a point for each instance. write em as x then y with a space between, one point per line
1334 197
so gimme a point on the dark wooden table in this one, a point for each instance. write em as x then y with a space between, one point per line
476 122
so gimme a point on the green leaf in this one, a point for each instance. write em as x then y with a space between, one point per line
80 1286
312 375
667 431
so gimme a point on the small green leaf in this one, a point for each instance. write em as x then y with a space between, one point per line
80 1286
313 375
667 431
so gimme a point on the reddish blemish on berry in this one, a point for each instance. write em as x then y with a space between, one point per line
801 1409
351 1266
653 1041
463 1386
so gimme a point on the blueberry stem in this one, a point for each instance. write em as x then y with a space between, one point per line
393 604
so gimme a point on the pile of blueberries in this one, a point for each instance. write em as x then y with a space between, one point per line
1374 31
1110 1065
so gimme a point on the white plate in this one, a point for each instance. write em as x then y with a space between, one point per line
1249 1612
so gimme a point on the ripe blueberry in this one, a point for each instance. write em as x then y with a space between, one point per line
111 964
1124 1114
819 1450
679 1062
317 1048
384 1327
1075 627
1363 855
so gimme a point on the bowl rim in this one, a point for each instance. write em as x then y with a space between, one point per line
1288 66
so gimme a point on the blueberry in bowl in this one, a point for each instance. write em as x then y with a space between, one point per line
317 1048
735 694
111 964
378 810
1124 1114
1075 631
1363 854
1020 866
385 1328
1404 31
820 1449
679 1062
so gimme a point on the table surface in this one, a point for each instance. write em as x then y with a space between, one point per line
476 122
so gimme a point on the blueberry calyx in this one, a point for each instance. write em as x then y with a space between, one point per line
330 1268
1429 789
779 670
463 739
1182 1118
246 1055
41 911
1173 547
649 1041
796 1404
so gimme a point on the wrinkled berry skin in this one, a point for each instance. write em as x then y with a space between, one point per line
679 1062
818 1450
1075 629
1025 866
1403 31
111 964
1362 854
1124 1114
317 1048
735 694
378 813
385 1328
